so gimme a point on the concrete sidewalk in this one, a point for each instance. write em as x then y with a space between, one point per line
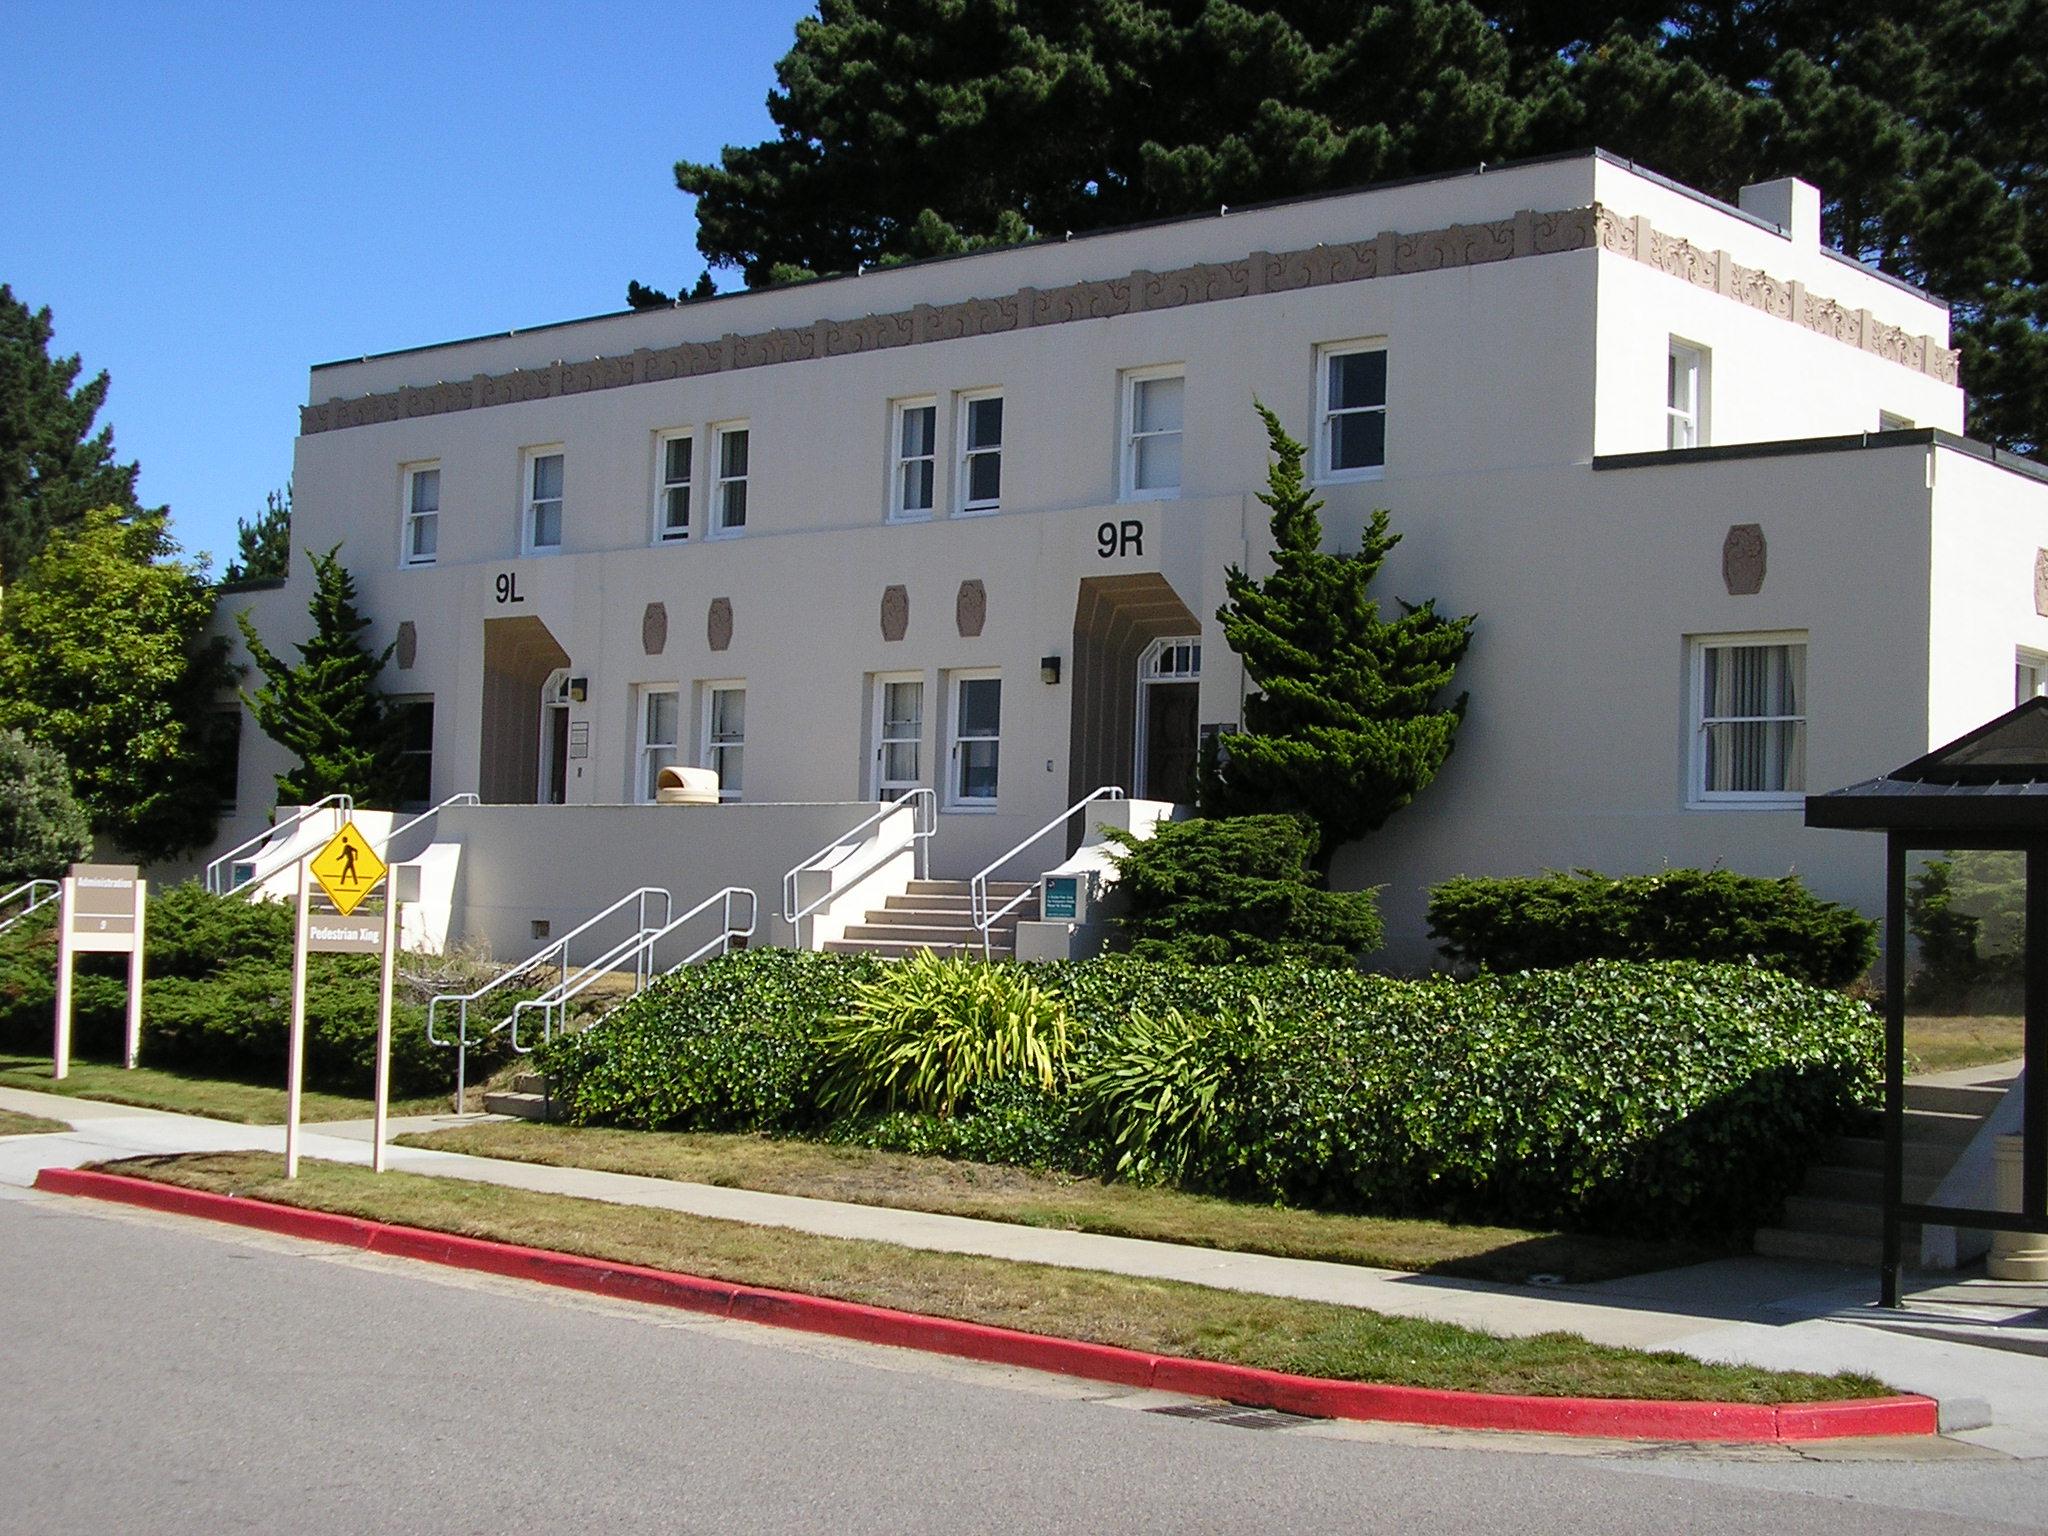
1977 1348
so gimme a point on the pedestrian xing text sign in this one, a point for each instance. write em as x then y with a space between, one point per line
347 868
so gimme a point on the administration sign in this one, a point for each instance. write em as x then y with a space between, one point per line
347 869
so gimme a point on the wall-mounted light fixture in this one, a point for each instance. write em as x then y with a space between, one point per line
1048 669
579 689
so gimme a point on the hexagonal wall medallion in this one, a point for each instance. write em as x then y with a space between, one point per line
654 629
970 609
1743 558
718 623
407 650
895 612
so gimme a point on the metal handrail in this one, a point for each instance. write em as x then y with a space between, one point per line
218 884
29 888
553 1005
555 952
924 805
977 887
467 797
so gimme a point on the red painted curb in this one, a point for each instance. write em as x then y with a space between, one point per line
1616 1418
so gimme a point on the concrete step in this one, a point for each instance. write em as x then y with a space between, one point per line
916 933
525 1106
1928 1127
1821 1213
895 949
1868 1152
923 917
932 901
1830 1247
1978 1099
1828 1181
1001 889
529 1082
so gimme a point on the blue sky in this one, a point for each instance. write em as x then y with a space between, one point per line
211 198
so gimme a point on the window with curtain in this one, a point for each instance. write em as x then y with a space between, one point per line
1750 732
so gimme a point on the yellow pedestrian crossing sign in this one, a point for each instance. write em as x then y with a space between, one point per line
347 868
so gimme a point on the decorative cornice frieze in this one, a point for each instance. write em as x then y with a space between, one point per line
1388 254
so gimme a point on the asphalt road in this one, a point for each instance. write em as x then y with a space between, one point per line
167 1376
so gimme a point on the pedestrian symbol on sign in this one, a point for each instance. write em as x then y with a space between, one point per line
347 869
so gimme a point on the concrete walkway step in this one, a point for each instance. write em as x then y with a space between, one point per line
900 949
521 1106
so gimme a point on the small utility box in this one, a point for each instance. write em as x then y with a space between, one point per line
1067 898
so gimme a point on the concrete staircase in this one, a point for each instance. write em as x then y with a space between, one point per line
526 1099
935 915
1837 1215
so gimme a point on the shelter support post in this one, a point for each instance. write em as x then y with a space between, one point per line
2034 1102
1894 1064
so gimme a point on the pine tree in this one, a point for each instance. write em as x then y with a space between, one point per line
53 466
326 711
1346 726
263 549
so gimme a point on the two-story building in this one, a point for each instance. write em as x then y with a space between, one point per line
963 525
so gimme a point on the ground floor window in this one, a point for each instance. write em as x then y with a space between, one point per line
1749 719
659 717
412 722
977 738
899 736
725 736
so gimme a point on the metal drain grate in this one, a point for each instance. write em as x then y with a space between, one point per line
1234 1415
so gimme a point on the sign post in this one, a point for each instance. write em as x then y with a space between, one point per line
100 911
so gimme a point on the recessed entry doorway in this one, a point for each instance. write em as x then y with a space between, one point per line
520 657
554 738
1137 671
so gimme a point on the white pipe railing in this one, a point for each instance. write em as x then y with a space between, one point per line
553 1005
924 809
220 874
977 888
555 953
40 893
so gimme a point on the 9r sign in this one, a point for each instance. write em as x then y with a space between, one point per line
1114 540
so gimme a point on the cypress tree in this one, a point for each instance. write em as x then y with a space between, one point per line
327 711
1346 725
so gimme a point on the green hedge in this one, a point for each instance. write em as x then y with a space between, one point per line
216 999
1531 922
1670 1097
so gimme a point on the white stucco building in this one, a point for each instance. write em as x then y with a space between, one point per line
964 524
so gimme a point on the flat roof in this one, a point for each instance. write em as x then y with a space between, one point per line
1854 442
1483 168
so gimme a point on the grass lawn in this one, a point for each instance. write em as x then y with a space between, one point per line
215 1098
1312 1338
864 1177
12 1124
1942 1042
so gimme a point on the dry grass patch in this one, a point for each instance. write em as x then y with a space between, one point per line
12 1124
1166 1317
1061 1201
215 1098
1943 1042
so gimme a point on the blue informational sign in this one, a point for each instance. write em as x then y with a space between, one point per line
1061 892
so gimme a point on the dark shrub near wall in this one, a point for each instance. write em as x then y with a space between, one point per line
1527 923
1647 1098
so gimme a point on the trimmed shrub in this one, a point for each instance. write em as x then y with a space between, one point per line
1667 1097
42 829
1238 888
1540 921
929 1034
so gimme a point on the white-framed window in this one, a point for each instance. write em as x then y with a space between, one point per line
542 517
420 515
1686 387
1351 410
729 497
2029 675
723 731
1153 400
675 472
899 734
976 727
981 451
914 451
1749 714
659 738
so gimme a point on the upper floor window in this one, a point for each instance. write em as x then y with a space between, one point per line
1686 395
421 540
676 468
981 452
725 736
1152 429
1351 411
543 520
916 440
1749 719
731 495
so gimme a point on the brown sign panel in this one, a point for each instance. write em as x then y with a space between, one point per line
104 888
362 934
